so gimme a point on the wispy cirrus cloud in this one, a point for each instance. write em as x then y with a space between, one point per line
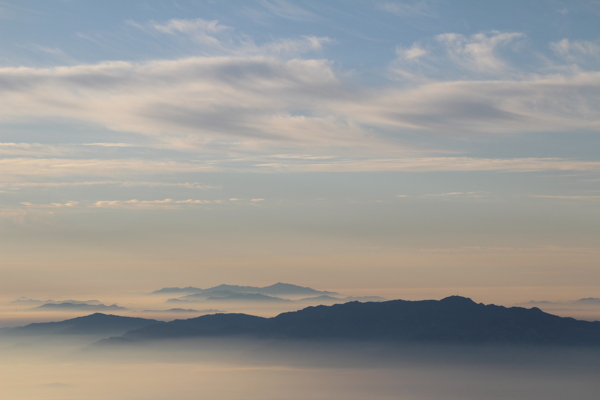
69 204
232 100
160 204
50 185
452 56
433 164
577 51
568 197
16 169
478 52
150 204
215 39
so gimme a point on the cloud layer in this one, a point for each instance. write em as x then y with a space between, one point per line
249 103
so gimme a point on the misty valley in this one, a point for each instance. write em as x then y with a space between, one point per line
453 348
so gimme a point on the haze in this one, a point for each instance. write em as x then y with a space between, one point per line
400 149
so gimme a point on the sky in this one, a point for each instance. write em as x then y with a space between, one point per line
412 149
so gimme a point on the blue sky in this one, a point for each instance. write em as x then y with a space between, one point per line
403 145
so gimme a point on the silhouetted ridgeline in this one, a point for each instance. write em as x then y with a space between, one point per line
455 319
451 320
94 324
281 289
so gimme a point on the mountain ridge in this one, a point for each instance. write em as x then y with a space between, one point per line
93 324
278 288
453 319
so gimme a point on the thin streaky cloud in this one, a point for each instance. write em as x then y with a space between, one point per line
563 197
433 164
69 204
14 169
187 185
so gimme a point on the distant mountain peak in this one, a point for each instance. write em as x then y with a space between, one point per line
279 288
457 300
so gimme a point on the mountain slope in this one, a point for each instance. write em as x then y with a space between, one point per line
94 324
171 290
450 320
215 325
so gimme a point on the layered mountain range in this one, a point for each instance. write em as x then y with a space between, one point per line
277 293
453 320
277 289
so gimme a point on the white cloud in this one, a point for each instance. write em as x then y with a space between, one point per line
579 198
15 169
413 53
134 203
198 29
538 104
217 39
109 144
236 105
257 102
478 52
116 204
68 204
187 185
433 164
576 50
30 149
212 97
452 56
151 204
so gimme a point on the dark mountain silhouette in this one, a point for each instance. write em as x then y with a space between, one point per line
454 319
74 302
324 299
78 307
278 289
207 325
364 298
286 289
206 295
171 290
227 295
94 324
248 297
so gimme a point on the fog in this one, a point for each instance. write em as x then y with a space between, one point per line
138 305
74 368
64 367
